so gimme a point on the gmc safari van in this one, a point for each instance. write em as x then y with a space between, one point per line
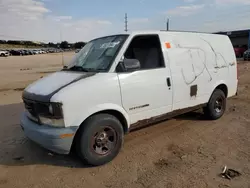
122 82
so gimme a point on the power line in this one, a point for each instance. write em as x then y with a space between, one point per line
62 50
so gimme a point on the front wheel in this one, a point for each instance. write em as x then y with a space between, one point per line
100 139
216 105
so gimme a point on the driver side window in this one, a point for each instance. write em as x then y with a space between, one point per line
146 49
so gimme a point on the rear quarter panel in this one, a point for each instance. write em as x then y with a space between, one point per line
205 60
225 67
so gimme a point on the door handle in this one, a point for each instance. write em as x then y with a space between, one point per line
168 82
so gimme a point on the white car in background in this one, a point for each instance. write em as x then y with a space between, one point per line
37 51
4 53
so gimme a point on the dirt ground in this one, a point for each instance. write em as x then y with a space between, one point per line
186 151
16 72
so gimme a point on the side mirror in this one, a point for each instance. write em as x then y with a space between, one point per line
128 65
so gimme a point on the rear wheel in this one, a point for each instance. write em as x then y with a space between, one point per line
100 139
216 105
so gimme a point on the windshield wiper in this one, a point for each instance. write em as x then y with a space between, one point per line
80 68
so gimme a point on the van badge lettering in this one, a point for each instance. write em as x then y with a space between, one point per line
138 107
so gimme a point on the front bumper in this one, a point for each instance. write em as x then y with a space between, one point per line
58 140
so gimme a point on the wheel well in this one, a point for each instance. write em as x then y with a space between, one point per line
115 113
223 88
118 115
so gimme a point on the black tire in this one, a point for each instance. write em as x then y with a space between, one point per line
2 55
216 106
87 144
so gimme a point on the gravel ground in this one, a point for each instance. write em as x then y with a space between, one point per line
186 151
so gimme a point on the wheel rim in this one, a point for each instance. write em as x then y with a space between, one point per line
104 141
218 107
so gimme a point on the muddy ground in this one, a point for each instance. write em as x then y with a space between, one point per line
186 151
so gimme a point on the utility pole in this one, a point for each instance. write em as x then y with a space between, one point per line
167 25
126 22
61 49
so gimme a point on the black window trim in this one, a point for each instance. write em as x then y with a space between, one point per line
138 35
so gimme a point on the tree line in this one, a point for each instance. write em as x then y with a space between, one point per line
63 44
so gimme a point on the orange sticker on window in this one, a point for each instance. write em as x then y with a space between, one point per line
168 45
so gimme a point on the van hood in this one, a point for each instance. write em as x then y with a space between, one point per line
43 89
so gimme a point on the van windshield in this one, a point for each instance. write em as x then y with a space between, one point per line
97 55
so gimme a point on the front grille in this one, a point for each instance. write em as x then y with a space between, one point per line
35 109
30 107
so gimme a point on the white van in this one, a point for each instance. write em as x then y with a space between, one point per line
121 82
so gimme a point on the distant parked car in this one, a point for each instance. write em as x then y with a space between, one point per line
33 52
36 51
25 52
16 52
4 53
77 50
51 51
30 52
246 55
239 51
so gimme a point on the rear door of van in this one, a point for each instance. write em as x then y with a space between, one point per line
187 57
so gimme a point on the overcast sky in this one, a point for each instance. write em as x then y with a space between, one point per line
82 20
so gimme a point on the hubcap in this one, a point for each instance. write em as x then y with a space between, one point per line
104 141
218 105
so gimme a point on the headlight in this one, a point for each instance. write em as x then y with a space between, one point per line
50 109
55 110
51 114
52 122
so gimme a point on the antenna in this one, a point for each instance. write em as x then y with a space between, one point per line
126 22
167 25
61 49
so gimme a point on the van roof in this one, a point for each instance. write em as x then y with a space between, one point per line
162 31
144 32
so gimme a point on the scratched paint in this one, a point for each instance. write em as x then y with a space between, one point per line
191 70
